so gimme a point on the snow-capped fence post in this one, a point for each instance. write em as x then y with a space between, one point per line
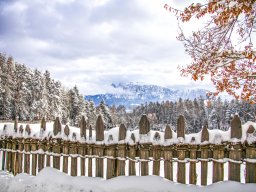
56 143
73 152
156 150
81 147
144 129
204 154
181 150
99 148
192 166
121 151
27 150
65 148
167 153
235 150
132 154
34 144
218 164
110 152
250 154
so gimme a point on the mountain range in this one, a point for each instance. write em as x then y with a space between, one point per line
132 94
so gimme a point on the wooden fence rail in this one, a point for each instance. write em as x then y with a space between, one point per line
23 152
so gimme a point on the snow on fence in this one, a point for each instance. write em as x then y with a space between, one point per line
118 152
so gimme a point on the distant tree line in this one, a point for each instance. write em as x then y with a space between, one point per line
217 113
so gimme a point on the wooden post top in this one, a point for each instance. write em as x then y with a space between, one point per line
144 126
16 125
205 133
133 137
122 132
236 128
99 129
83 128
56 126
43 124
168 132
181 127
28 129
66 130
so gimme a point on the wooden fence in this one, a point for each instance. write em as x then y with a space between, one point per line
31 154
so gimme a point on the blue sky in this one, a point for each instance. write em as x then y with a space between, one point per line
93 43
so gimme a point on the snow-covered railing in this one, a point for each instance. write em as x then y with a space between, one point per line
119 151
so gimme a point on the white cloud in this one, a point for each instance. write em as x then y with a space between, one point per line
95 43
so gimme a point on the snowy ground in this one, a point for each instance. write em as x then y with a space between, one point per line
51 180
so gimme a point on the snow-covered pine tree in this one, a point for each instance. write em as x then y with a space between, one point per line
104 111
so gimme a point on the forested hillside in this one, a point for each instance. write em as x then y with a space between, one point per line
31 94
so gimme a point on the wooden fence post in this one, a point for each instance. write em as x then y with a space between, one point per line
89 153
65 148
34 144
41 155
132 155
82 152
99 148
56 143
82 147
251 166
181 149
192 166
14 156
73 153
204 154
250 154
218 167
110 151
167 152
20 149
235 150
121 151
41 145
27 150
9 154
43 124
156 149
181 127
4 146
181 153
144 129
49 150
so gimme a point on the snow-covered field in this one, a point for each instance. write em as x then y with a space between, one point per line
51 180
